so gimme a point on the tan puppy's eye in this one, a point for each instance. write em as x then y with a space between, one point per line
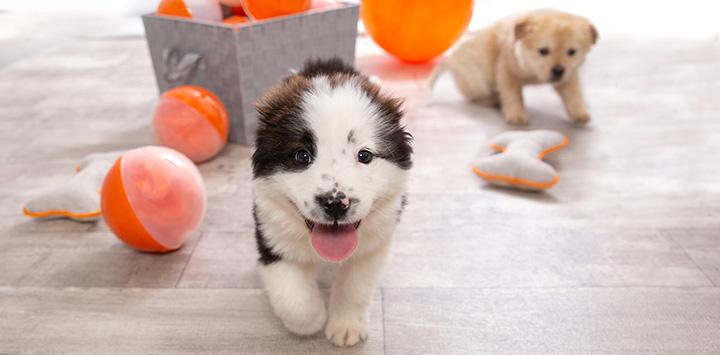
571 52
544 51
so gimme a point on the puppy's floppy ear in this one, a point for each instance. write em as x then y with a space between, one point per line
593 34
522 28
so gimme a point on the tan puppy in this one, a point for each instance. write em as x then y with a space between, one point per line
542 46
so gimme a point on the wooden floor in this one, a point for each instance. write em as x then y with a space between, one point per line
623 256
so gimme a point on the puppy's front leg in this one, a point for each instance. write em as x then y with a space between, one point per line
294 296
351 296
571 93
511 99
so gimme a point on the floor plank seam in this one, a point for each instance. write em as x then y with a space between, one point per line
685 252
382 310
702 270
189 258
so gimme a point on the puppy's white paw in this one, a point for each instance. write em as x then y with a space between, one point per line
346 331
305 318
294 296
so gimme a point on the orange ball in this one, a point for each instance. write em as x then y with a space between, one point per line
153 199
321 4
173 8
416 31
191 120
207 10
238 11
235 19
232 3
262 9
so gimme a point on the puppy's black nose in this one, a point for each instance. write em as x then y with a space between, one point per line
557 72
334 205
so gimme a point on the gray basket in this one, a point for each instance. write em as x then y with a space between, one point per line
241 62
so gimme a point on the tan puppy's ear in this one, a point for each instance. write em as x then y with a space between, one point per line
522 28
593 34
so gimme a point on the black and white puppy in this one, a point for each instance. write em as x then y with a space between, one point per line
330 167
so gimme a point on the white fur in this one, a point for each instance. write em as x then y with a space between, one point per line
294 296
284 199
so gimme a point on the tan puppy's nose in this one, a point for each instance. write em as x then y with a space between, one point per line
557 72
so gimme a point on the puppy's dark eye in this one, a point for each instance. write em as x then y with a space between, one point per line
364 156
303 157
544 51
571 52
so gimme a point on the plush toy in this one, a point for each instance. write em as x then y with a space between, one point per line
519 162
78 198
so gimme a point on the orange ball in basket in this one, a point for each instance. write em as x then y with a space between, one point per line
321 4
416 31
191 120
232 3
238 11
153 199
262 9
208 10
236 20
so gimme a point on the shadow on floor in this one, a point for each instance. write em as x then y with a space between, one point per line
391 69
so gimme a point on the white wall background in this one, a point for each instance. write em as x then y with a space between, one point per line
678 18
661 18
100 7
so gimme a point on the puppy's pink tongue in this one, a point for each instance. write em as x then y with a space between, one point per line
334 243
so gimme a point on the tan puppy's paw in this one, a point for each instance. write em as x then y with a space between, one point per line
582 117
578 113
519 118
492 101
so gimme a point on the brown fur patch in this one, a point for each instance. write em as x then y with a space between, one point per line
283 100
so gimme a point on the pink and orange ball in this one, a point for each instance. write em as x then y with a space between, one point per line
153 199
191 120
